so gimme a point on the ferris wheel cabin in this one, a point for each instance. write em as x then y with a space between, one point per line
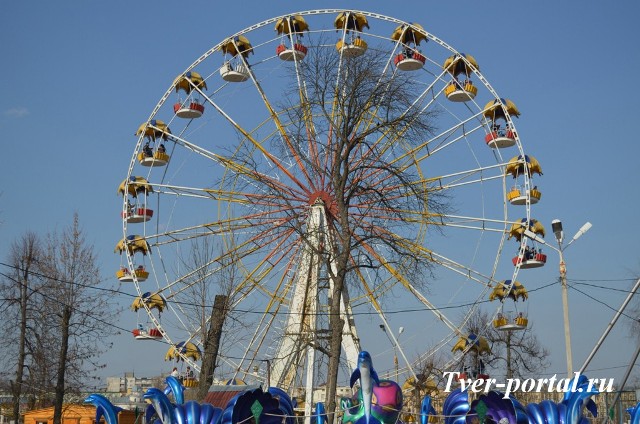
125 276
290 28
535 260
235 69
497 139
189 111
519 196
409 61
297 52
142 333
353 49
156 158
505 323
136 215
234 73
460 65
461 92
190 107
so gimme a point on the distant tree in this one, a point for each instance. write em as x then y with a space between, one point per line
78 315
210 277
19 287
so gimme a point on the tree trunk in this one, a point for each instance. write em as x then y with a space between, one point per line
16 387
211 345
336 325
509 371
62 360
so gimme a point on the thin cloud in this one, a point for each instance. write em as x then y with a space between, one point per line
17 112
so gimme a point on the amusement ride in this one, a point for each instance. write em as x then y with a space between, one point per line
233 188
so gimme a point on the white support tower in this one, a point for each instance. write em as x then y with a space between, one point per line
302 326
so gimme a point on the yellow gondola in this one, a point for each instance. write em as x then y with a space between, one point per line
133 244
153 301
152 155
516 167
134 186
410 59
237 45
496 109
291 27
517 291
351 21
235 70
518 228
183 349
460 91
291 24
191 107
473 343
351 45
518 164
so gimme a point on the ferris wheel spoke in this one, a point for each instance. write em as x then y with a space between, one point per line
408 159
247 135
238 252
285 136
270 220
402 280
255 277
242 169
387 141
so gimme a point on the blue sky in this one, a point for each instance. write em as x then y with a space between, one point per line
78 78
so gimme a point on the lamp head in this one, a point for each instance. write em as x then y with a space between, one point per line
556 226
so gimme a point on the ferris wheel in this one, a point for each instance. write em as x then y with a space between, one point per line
310 147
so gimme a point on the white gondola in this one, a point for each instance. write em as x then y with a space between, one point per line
519 196
535 261
141 333
137 215
504 323
191 111
156 159
237 73
457 92
410 63
298 52
125 276
500 140
354 49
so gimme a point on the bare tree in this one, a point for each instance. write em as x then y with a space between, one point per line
210 276
363 115
77 313
19 287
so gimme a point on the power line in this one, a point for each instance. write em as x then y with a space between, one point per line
249 311
603 303
602 287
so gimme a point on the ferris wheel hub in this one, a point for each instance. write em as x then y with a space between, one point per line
327 200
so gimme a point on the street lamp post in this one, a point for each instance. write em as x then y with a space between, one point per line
395 347
556 226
